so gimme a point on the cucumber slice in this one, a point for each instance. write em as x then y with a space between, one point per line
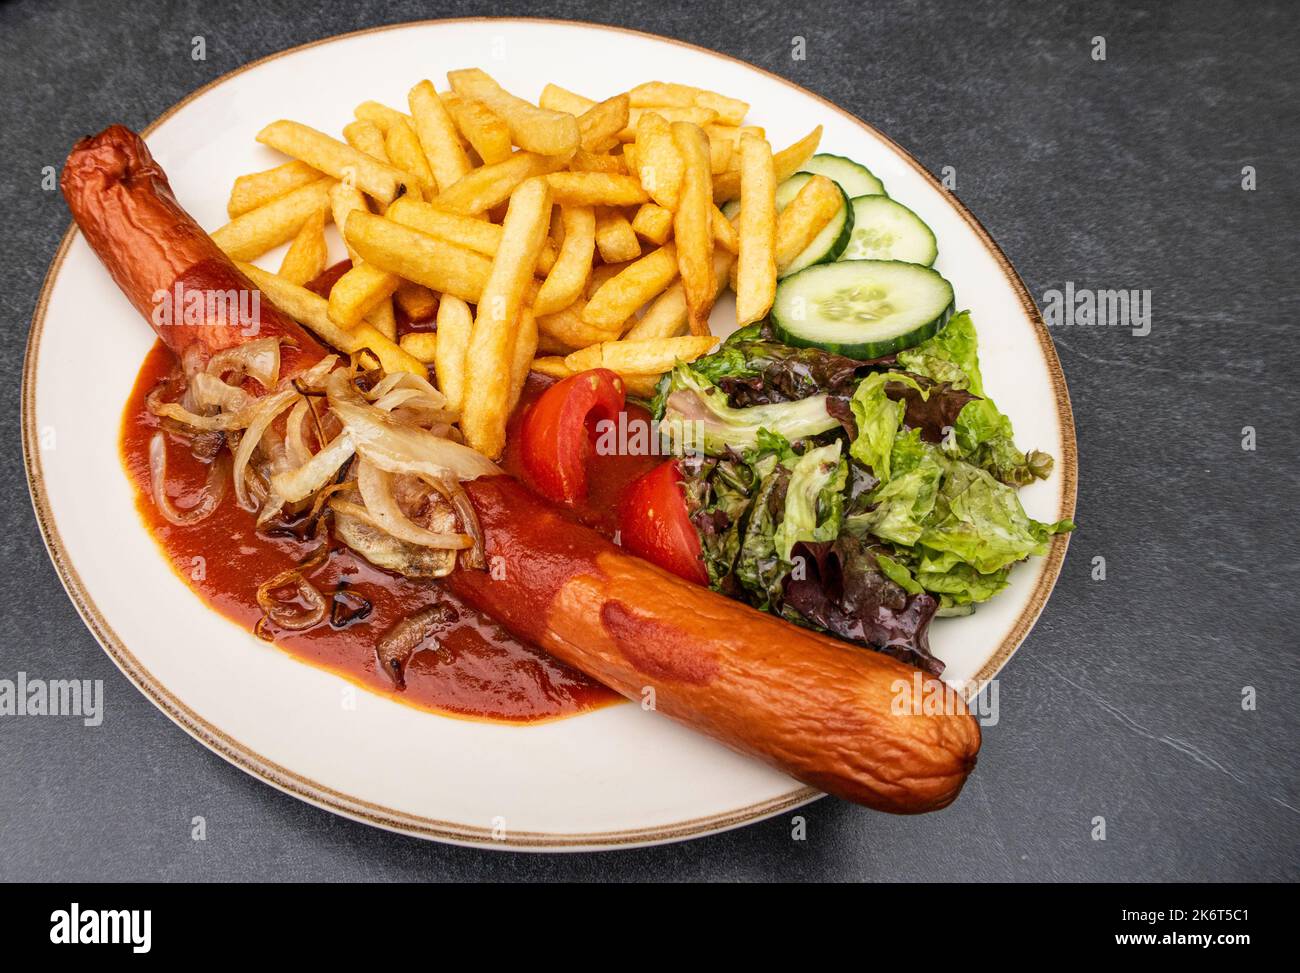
887 230
829 244
861 308
854 178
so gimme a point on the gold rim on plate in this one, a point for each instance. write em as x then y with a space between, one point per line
318 794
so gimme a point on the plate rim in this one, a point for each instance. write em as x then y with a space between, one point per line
306 789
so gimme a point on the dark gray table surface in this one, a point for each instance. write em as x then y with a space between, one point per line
1125 703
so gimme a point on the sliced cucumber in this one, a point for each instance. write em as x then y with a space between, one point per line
887 230
854 178
861 308
827 245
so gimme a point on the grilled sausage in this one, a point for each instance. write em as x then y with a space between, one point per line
161 258
820 710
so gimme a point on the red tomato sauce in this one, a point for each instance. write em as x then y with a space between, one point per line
472 669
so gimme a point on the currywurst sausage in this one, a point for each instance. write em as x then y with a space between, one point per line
173 273
833 715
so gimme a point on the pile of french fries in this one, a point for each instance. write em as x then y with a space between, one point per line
553 237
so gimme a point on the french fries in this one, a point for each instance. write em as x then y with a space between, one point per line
360 291
405 151
730 111
338 159
380 115
253 233
620 296
567 328
345 200
615 238
654 223
438 137
658 163
486 133
693 224
568 276
599 125
522 360
259 188
668 316
492 341
420 345
415 256
596 189
555 98
695 116
756 267
814 206
726 185
531 128
491 185
455 321
308 253
641 357
464 231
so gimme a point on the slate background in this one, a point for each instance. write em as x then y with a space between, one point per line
1126 700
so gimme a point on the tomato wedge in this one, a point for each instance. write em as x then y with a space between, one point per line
557 432
653 523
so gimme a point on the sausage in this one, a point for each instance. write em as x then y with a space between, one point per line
820 710
161 258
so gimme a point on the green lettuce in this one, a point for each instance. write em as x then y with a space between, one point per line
814 498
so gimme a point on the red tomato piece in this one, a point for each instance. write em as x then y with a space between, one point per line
557 432
655 524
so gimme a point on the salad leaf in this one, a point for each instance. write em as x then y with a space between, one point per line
696 409
878 418
979 520
844 590
814 499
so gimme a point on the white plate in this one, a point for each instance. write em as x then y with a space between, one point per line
615 777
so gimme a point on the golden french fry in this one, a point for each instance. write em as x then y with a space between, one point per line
596 189
306 307
629 159
417 302
525 349
555 98
667 317
615 238
491 346
654 223
552 365
584 161
641 357
415 256
379 114
308 254
641 386
383 318
338 159
598 126
726 185
720 155
259 188
253 233
531 128
620 296
658 163
464 231
455 322
693 115
568 328
568 276
724 232
367 137
756 267
804 217
345 200
438 138
392 358
420 345
730 111
486 133
489 186
733 133
693 224
360 291
405 152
